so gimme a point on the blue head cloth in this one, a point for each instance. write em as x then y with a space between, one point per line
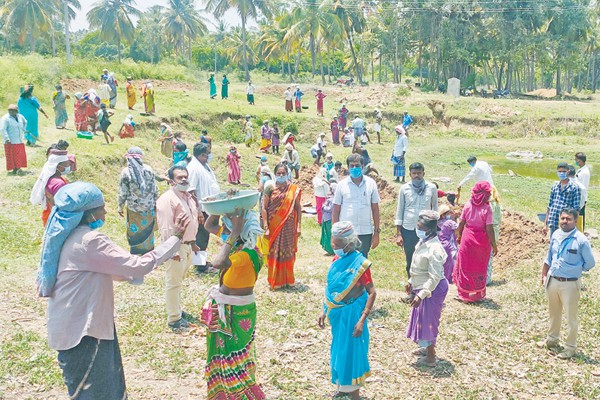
70 202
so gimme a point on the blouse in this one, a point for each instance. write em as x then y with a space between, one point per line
427 267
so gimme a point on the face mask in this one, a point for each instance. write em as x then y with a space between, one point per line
418 182
356 172
96 224
421 234
447 217
66 171
339 252
562 175
182 187
232 151
281 179
224 236
209 158
472 164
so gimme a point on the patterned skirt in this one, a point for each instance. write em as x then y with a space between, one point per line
16 157
140 231
399 166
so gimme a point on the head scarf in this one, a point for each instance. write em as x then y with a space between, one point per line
136 167
70 202
179 156
400 129
342 229
38 193
251 230
481 193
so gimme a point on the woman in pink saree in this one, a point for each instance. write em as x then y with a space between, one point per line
477 241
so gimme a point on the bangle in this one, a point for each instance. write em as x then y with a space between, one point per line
230 241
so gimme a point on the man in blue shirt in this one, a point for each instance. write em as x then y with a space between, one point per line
564 194
569 255
406 121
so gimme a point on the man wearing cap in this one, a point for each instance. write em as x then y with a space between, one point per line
399 153
293 158
480 171
12 127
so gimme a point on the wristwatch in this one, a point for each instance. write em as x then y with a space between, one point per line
378 230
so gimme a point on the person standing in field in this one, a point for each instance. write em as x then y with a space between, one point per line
131 93
406 121
212 87
569 255
51 179
496 220
29 106
293 158
250 93
233 166
320 96
113 84
265 134
275 138
377 125
139 193
563 194
349 299
447 226
477 242
104 122
415 196
335 130
298 99
357 200
104 92
224 88
288 96
327 210
174 205
399 154
148 95
583 176
343 117
59 100
13 127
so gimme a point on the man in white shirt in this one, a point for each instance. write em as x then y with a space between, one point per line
583 176
399 153
250 93
289 96
12 128
415 196
480 171
357 200
203 183
293 158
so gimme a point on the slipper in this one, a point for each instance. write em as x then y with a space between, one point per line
422 363
112 139
421 351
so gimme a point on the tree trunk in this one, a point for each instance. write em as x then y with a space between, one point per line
119 48
296 65
322 69
420 62
31 42
558 87
372 67
594 72
313 52
356 66
215 51
509 73
53 42
245 48
380 62
396 61
282 67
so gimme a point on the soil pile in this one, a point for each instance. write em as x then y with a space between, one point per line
73 85
548 93
520 238
496 110
387 191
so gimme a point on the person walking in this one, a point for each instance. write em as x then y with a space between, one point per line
234 173
113 84
335 130
148 95
357 200
298 99
320 96
131 93
28 106
569 255
415 196
343 117
250 93
406 121
377 124
76 273
52 178
563 194
13 127
288 95
174 205
212 87
399 154
138 192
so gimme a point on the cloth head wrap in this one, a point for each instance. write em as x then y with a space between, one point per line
400 129
38 193
70 202
342 229
429 215
481 193
136 167
251 230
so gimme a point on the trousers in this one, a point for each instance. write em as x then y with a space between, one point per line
174 273
563 296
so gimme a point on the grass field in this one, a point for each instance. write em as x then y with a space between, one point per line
488 351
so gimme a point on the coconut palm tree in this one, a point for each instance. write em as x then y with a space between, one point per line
113 19
69 7
246 9
351 14
30 18
182 20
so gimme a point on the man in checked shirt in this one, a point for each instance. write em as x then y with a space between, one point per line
564 194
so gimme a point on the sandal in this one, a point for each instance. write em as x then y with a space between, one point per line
422 363
421 351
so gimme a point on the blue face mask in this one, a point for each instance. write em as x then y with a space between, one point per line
562 175
421 234
339 252
281 179
356 172
210 156
472 164
97 224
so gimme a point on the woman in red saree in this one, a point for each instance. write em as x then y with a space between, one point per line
281 219
477 240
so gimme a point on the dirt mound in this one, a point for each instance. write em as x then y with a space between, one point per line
496 110
387 191
73 85
365 97
548 93
520 238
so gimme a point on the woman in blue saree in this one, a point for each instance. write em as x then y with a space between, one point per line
28 107
349 298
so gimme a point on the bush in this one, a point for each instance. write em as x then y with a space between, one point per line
231 131
403 91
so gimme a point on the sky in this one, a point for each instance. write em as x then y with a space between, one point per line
80 22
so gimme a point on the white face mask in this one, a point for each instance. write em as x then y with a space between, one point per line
421 234
66 171
182 187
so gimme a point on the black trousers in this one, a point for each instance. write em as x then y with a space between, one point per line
93 370
410 239
365 245
202 235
